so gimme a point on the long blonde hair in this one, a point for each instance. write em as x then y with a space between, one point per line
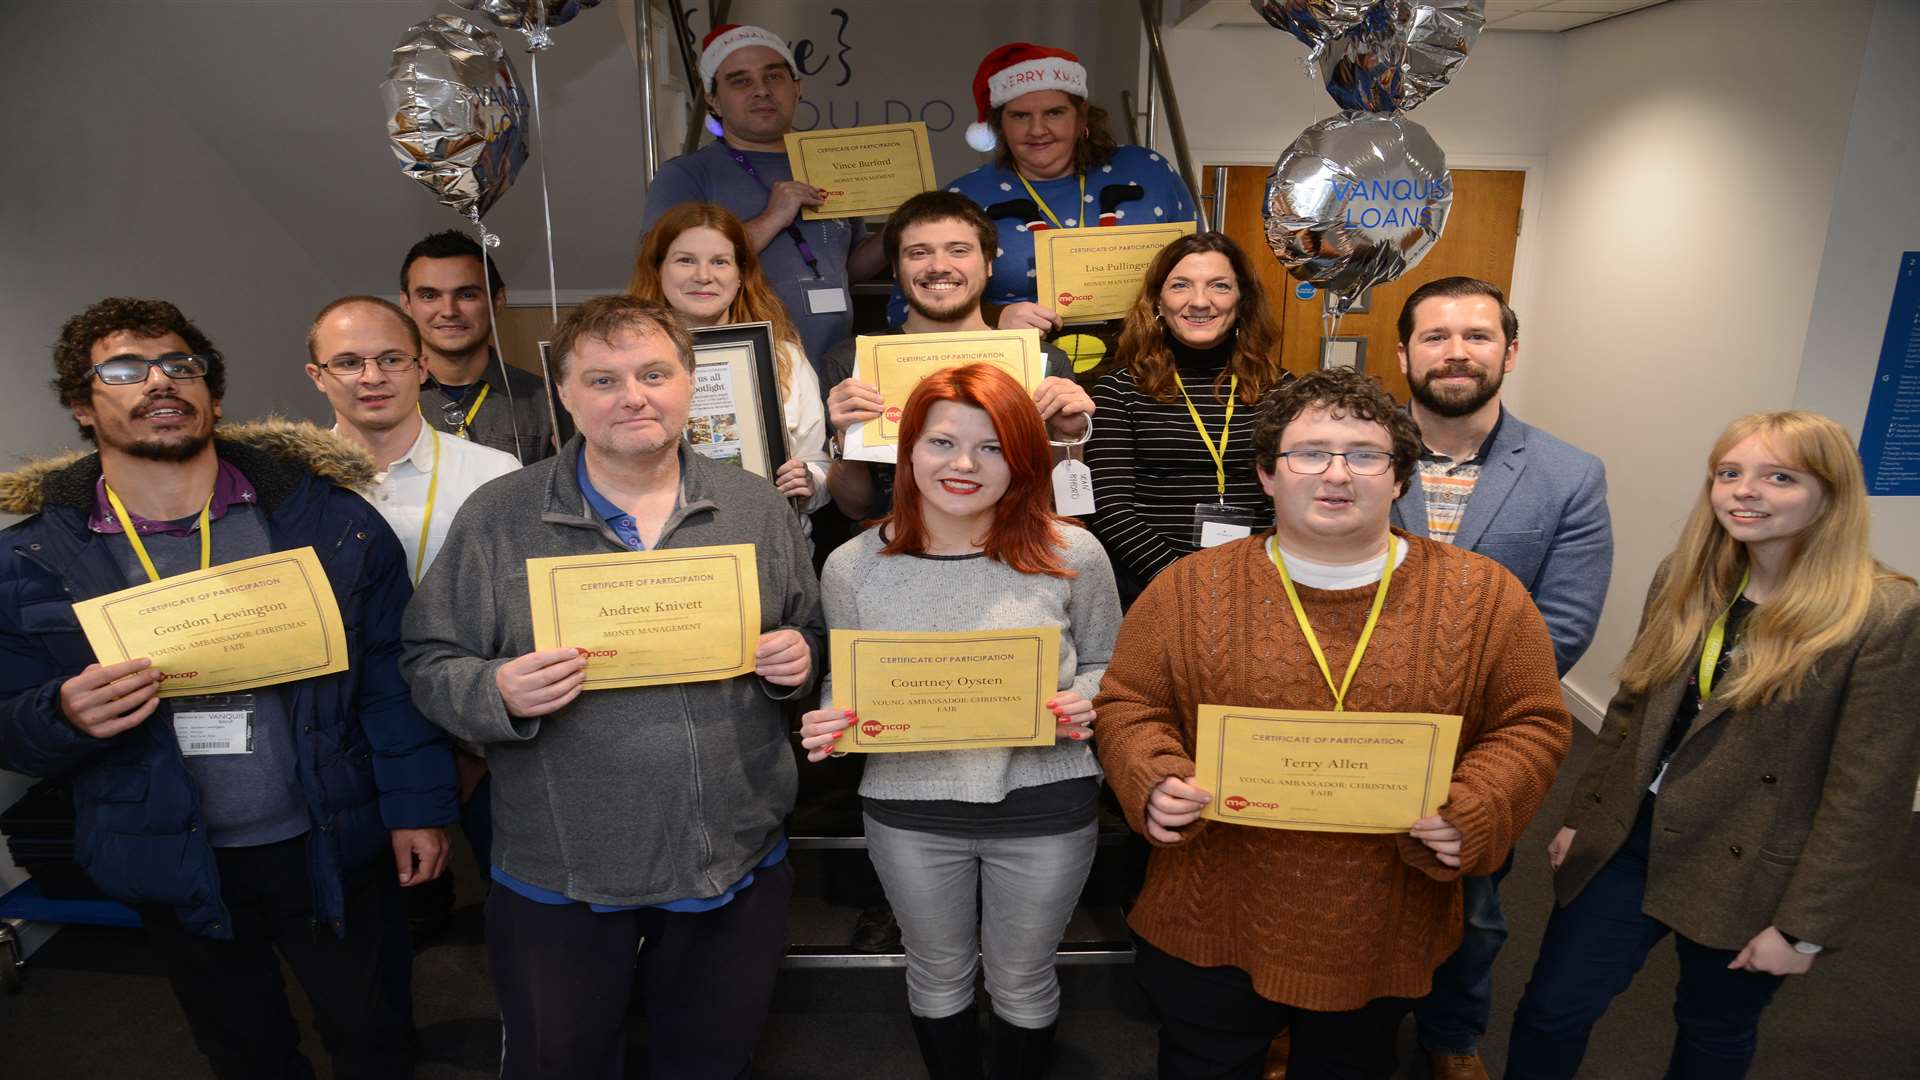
754 302
1818 606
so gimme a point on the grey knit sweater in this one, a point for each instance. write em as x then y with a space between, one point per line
863 589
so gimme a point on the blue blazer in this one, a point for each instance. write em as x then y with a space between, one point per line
1540 510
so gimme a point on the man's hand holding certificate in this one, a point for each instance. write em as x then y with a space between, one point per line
917 690
645 618
863 170
895 363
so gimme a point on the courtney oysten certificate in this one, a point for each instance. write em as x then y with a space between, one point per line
897 362
650 617
1092 275
863 170
256 622
1354 772
923 690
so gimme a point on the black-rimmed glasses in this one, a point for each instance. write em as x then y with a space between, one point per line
128 370
347 364
1359 462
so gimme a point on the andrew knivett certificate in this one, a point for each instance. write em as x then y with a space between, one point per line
921 690
256 622
648 617
1324 771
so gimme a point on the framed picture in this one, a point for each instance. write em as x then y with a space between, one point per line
1349 352
1361 306
736 398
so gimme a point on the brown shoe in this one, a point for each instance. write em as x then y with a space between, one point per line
1277 1055
1456 1066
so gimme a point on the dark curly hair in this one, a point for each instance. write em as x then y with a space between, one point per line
1346 393
73 352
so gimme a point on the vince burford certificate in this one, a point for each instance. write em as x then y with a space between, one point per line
260 621
1091 275
649 617
915 690
863 170
897 362
1351 772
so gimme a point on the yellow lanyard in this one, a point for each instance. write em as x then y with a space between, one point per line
140 549
1048 210
472 411
433 489
1219 453
1306 628
1717 640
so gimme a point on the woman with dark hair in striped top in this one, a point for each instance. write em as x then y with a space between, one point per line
1172 463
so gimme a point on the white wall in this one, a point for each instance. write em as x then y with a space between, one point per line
1696 149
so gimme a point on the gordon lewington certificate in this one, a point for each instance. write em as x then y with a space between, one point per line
649 617
1352 772
863 170
922 690
256 622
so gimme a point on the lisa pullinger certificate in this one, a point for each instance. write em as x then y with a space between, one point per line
897 362
863 170
1092 275
256 622
1354 772
922 690
649 617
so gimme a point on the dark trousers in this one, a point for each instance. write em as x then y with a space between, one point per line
231 991
564 975
1593 948
1453 1016
1213 1026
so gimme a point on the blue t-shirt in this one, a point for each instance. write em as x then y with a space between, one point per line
710 175
998 191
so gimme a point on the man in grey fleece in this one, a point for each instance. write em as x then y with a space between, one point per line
644 814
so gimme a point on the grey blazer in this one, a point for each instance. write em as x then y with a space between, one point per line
1540 510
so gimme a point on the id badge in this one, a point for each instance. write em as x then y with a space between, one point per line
216 724
1217 523
826 301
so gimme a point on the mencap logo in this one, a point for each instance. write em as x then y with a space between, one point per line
873 728
591 653
893 414
165 675
1067 298
1236 802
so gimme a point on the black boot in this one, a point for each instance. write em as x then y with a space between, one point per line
1019 1053
950 1045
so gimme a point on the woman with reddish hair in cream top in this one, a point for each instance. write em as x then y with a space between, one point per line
972 543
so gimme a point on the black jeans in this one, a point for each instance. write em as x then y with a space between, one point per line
564 973
1213 1026
361 985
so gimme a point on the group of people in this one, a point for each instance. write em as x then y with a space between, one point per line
1260 540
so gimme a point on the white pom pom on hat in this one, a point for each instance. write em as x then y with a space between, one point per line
980 136
1020 68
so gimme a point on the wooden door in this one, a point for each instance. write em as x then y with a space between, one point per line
1482 230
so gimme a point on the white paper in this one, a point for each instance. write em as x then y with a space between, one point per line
1215 533
1072 488
223 731
826 301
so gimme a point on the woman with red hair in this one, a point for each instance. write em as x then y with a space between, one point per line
972 543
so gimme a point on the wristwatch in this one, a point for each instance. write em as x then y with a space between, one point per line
1804 948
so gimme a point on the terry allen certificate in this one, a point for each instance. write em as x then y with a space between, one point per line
1355 772
260 621
649 617
1092 275
864 170
897 362
921 690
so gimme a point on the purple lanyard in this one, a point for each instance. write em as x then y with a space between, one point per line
793 228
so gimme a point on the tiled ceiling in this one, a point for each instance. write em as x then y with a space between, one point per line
1542 15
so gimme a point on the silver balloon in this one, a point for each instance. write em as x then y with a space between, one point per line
1358 199
531 17
1401 53
1314 22
456 116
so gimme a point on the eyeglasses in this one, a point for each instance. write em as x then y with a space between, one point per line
354 365
1359 462
128 370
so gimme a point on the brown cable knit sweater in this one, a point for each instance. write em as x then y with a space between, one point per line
1329 921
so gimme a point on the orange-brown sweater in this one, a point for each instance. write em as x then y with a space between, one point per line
1329 921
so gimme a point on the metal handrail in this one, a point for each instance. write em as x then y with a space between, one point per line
1149 16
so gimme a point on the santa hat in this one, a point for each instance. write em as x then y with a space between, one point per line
1020 68
723 40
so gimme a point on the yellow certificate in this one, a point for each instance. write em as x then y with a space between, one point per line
863 170
1091 275
897 362
260 621
920 690
650 617
1355 772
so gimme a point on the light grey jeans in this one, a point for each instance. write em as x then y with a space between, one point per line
1027 886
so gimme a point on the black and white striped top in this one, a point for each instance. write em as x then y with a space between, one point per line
1150 467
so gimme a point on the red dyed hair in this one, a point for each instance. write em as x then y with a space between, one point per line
1025 534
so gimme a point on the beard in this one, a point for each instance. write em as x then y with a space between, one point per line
954 307
1451 401
178 447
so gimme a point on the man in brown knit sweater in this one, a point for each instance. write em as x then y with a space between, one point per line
1243 931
